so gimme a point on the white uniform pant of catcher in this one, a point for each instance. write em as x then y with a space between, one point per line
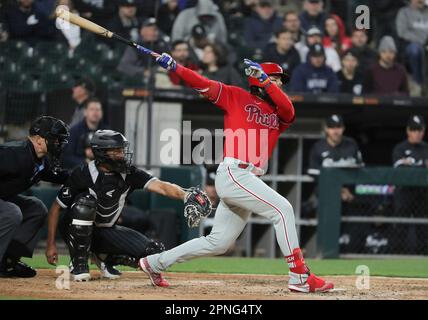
241 193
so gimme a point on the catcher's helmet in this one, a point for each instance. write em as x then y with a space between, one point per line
105 140
55 132
271 69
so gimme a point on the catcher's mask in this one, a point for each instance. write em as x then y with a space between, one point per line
55 132
104 143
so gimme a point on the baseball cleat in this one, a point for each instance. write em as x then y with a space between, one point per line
311 285
81 277
107 271
156 278
80 272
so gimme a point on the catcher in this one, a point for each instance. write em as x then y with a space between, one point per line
94 197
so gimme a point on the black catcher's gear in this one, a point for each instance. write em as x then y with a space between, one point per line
80 232
105 140
55 132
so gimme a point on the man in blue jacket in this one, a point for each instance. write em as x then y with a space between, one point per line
74 154
314 76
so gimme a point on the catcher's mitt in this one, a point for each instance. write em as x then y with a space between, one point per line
197 205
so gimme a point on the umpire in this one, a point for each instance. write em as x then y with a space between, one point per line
23 164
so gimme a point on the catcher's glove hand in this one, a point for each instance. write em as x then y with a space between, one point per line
197 205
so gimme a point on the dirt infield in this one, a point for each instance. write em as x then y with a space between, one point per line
135 285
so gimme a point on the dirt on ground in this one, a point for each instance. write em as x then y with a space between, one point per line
191 286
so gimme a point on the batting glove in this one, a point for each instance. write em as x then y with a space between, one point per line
253 69
166 62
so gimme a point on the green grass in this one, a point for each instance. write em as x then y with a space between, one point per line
378 267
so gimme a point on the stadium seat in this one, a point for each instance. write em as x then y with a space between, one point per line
52 51
54 81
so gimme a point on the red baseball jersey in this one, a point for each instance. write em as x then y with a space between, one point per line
251 125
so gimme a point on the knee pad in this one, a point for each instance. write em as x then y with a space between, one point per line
84 208
154 247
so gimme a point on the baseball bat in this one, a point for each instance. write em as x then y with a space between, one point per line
66 15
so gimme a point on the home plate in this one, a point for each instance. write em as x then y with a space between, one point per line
337 290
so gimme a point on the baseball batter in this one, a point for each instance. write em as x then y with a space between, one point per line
259 116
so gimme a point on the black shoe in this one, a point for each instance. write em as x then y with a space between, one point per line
107 269
16 269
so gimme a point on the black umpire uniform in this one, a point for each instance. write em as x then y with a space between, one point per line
21 217
94 200
411 201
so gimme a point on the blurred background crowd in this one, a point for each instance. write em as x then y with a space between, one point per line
315 41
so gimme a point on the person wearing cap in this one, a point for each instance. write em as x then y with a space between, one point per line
261 25
314 76
283 51
205 13
74 153
412 201
313 36
23 164
198 41
335 150
412 29
313 14
126 23
413 151
82 91
350 78
132 63
386 77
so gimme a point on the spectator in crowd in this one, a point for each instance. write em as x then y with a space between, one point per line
335 150
100 12
215 65
386 76
283 51
313 15
126 22
45 6
134 63
168 12
365 55
412 28
350 78
25 22
335 35
205 13
71 34
180 53
261 25
75 152
313 36
384 13
314 76
412 201
82 91
292 24
198 41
